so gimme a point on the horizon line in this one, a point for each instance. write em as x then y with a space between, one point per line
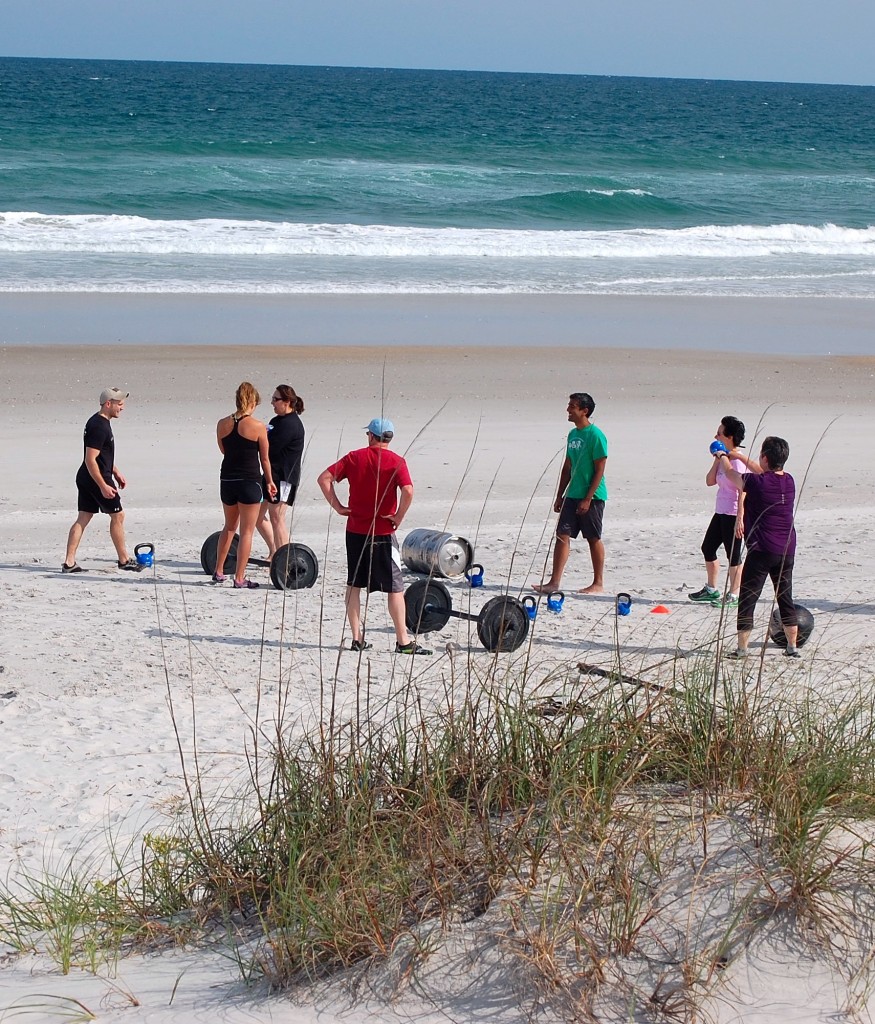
465 71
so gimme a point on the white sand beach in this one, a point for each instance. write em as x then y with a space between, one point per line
91 665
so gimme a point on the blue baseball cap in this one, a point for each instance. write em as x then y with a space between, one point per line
381 427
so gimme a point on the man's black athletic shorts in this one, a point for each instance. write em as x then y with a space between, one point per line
374 563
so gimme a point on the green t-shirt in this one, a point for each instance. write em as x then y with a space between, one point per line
585 446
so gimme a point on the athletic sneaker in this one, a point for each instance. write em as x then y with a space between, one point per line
246 585
131 565
792 652
704 595
730 601
75 567
359 645
411 648
219 577
739 654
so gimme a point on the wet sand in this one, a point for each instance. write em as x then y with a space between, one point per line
811 326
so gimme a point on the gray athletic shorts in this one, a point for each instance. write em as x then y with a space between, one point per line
588 526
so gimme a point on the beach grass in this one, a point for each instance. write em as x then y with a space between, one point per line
623 841
615 836
612 838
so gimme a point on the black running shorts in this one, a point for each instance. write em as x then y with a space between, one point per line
240 492
285 492
90 498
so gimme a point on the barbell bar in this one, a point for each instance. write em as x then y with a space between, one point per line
293 567
502 623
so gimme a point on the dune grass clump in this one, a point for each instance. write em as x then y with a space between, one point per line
623 842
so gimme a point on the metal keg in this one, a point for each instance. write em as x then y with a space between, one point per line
437 554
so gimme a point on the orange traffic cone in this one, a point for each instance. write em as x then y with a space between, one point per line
660 609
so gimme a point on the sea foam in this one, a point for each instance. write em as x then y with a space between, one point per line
118 235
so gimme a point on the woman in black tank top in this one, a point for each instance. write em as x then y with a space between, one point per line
241 455
243 443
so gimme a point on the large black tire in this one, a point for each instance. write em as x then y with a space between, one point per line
502 624
294 567
210 553
427 606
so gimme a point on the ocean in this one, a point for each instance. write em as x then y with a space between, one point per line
136 177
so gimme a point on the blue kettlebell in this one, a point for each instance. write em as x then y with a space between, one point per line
624 604
555 601
474 575
145 554
531 606
717 447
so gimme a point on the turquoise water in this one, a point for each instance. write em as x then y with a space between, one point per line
137 176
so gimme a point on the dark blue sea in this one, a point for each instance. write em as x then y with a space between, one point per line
122 176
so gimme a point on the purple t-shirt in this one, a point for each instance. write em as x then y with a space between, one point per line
768 513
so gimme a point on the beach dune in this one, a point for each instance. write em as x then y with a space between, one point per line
91 664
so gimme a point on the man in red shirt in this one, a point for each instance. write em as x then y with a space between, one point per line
380 493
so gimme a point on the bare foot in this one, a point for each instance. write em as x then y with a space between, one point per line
545 588
593 588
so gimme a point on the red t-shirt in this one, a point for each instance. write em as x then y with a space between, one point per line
375 474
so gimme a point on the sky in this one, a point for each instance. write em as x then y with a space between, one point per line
760 40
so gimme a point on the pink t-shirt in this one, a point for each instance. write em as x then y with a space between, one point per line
727 495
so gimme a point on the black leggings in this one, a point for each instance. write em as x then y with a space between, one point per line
757 566
721 530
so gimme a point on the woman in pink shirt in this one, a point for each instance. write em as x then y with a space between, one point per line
727 525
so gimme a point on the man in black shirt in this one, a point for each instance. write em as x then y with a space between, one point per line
99 481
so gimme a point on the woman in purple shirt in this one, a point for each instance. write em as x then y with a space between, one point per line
769 499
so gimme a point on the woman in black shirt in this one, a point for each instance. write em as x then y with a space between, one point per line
285 440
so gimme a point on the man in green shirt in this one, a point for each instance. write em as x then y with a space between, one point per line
582 494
